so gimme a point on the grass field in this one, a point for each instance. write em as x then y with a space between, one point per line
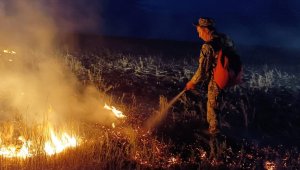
259 119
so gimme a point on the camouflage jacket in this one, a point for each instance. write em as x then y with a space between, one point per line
208 57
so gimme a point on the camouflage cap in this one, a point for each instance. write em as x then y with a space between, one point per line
205 22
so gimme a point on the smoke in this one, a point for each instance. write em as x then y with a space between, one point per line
35 83
75 15
161 114
24 24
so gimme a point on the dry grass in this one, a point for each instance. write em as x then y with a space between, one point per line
129 146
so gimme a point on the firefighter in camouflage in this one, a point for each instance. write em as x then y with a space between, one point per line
213 41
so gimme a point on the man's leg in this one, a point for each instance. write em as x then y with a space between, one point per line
213 93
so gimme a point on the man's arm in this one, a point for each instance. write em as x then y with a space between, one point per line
203 71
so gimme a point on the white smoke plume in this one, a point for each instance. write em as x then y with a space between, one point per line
34 81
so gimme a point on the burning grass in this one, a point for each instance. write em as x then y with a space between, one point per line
132 87
97 147
25 142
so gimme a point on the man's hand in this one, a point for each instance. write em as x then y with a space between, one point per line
190 86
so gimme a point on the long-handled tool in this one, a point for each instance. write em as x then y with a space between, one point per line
154 120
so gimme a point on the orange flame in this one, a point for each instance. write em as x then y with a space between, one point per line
9 52
13 151
118 113
58 144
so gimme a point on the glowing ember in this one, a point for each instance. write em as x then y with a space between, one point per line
14 151
203 155
118 113
173 160
57 145
269 165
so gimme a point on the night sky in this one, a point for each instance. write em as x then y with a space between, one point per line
255 22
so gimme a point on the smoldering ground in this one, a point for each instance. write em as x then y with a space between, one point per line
35 83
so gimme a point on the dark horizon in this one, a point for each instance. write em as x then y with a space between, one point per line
270 22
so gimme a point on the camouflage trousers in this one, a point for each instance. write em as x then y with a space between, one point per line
212 104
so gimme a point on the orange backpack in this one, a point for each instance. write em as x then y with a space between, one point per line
228 70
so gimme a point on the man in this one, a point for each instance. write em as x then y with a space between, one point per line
213 42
